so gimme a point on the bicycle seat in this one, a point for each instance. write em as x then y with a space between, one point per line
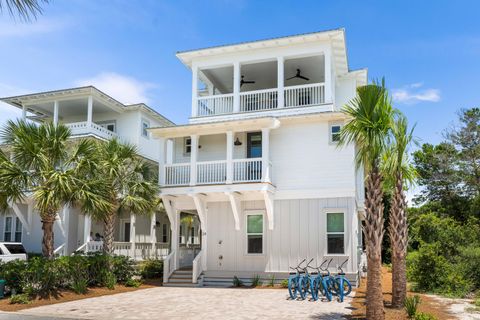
341 273
292 272
314 273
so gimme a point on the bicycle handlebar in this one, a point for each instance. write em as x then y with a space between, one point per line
341 266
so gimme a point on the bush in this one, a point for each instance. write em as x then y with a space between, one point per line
256 281
123 268
110 280
424 316
133 283
469 261
20 299
12 272
271 281
237 282
411 306
151 269
284 283
80 286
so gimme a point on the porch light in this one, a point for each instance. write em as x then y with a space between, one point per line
237 142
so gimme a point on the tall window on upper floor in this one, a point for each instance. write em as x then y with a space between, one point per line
254 233
335 133
335 233
145 126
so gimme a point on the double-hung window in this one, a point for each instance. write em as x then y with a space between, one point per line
335 133
12 230
145 126
254 233
335 233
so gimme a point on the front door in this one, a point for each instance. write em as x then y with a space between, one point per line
254 150
126 231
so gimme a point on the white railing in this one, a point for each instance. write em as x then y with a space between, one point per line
305 95
84 128
211 172
212 105
197 267
258 100
247 170
122 248
168 266
60 250
177 174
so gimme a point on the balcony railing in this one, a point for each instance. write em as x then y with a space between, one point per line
216 172
85 128
142 251
259 100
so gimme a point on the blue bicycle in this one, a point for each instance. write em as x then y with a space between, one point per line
341 285
304 281
321 282
294 279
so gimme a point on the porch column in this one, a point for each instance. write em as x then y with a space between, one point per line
175 235
266 155
55 113
87 227
194 90
280 82
24 112
133 219
161 162
236 87
328 76
169 150
229 177
90 111
193 159
153 234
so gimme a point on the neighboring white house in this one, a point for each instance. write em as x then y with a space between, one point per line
89 112
258 161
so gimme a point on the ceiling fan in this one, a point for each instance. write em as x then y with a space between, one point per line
298 75
242 81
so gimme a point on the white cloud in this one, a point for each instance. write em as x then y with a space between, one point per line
125 89
24 29
413 93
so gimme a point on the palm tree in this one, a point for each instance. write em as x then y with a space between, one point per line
25 9
40 164
371 115
131 187
398 170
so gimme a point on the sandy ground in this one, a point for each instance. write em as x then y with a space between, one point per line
198 303
460 308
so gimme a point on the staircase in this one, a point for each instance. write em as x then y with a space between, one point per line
182 278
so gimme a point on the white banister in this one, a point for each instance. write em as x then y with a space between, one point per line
211 172
85 128
247 170
305 95
213 105
168 266
60 250
258 100
177 174
197 266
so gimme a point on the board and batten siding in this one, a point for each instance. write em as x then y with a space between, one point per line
299 232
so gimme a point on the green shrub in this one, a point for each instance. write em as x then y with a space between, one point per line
133 283
411 306
110 280
424 316
237 282
123 268
256 281
151 269
12 272
469 262
20 299
271 281
80 286
284 283
45 277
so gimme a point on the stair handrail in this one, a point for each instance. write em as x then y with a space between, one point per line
168 266
82 247
59 249
197 266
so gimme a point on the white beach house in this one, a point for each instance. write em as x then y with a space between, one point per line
258 162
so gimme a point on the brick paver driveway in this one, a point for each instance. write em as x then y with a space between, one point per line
196 303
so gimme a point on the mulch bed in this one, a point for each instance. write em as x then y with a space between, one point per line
427 304
67 295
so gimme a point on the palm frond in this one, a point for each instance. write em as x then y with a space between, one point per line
25 9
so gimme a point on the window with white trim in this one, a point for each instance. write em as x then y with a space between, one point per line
145 126
335 233
255 233
335 133
12 229
180 236
187 145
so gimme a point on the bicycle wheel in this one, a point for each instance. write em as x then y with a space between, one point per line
342 287
326 289
314 288
293 287
303 287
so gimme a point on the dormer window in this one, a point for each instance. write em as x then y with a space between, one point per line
145 126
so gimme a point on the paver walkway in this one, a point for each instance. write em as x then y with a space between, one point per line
198 303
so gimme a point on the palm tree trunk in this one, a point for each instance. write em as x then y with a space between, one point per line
108 230
399 238
374 235
48 236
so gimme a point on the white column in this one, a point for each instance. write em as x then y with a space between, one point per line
153 234
175 235
55 113
193 159
281 82
24 112
230 135
265 155
169 151
194 90
161 161
236 87
328 77
133 219
87 227
90 111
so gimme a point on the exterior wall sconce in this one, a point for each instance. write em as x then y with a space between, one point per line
237 142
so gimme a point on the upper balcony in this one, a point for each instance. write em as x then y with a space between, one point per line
273 85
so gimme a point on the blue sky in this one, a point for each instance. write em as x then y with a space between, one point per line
427 50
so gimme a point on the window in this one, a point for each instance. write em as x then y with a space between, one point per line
192 235
7 235
164 233
255 234
187 145
109 125
180 237
145 126
335 233
335 133
18 230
